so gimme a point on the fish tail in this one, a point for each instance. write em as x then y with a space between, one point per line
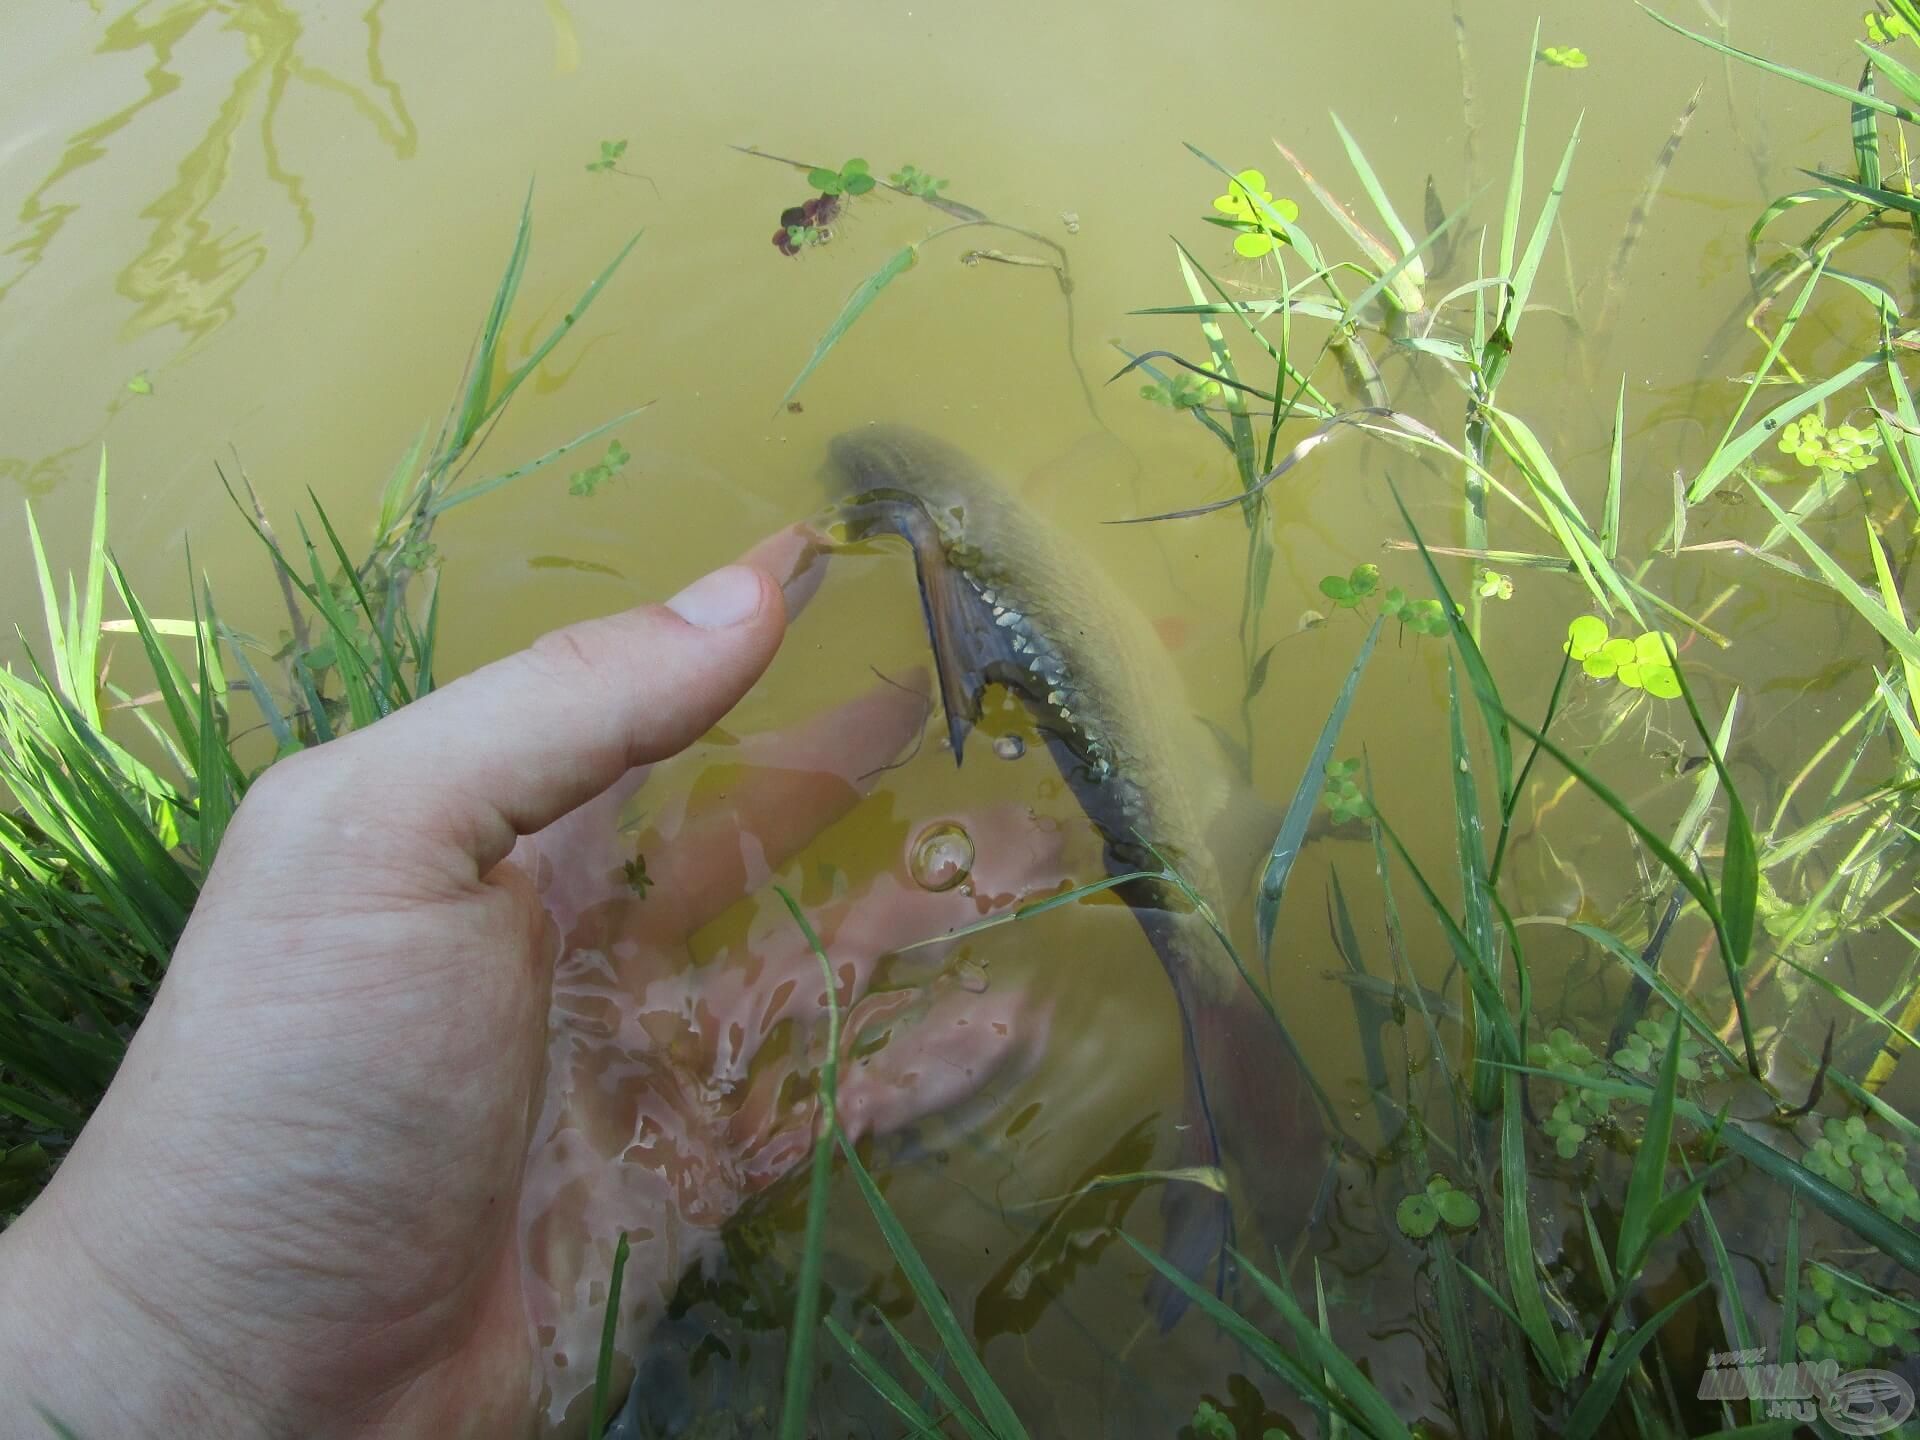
1196 1219
1247 1102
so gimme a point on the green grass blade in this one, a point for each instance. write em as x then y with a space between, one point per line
609 1328
1523 277
1905 644
1517 438
473 409
1596 1404
1523 1269
1476 914
1737 1324
1788 72
1648 1179
1790 1287
1306 796
168 678
50 607
84 662
884 1385
1892 1239
1616 465
473 491
1485 692
1517 174
1377 193
1404 296
1903 76
1691 879
1739 862
1487 998
943 1392
1302 1380
269 707
806 1300
215 799
1730 455
1661 986
994 1407
897 265
1374 1413
559 332
1866 135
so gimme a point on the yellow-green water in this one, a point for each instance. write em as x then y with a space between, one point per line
289 219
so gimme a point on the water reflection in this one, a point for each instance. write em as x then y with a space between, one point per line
191 266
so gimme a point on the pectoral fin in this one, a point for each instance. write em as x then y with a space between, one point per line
969 650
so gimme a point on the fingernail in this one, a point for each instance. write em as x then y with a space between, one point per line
725 597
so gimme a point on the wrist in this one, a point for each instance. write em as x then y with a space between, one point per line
81 1353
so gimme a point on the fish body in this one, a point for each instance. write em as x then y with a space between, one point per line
1009 600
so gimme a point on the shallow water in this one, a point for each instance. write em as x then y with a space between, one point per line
289 219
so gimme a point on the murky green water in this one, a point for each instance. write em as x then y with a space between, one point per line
288 219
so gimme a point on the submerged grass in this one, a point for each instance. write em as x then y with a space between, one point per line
1690 1098
101 862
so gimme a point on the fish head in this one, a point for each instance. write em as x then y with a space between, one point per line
899 462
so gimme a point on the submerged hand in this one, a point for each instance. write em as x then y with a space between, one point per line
298 1209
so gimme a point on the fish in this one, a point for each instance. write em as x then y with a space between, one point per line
1010 600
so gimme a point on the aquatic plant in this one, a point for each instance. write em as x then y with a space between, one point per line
801 228
101 861
610 153
1251 209
851 178
1643 663
1345 799
1418 1215
1565 57
587 481
916 182
1522 1348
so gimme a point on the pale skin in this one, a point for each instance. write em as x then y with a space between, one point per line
299 1209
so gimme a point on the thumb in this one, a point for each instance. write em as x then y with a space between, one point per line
509 749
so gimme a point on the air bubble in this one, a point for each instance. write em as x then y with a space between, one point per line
941 857
1009 747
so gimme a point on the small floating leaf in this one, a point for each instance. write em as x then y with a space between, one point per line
1586 635
1416 1216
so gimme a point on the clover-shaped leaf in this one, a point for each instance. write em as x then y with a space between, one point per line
1495 586
610 153
1585 635
1417 1217
1567 57
1885 29
1458 1209
1261 219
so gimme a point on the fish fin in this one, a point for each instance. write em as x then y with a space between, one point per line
969 650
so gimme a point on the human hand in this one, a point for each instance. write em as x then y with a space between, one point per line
297 1209
678 1088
